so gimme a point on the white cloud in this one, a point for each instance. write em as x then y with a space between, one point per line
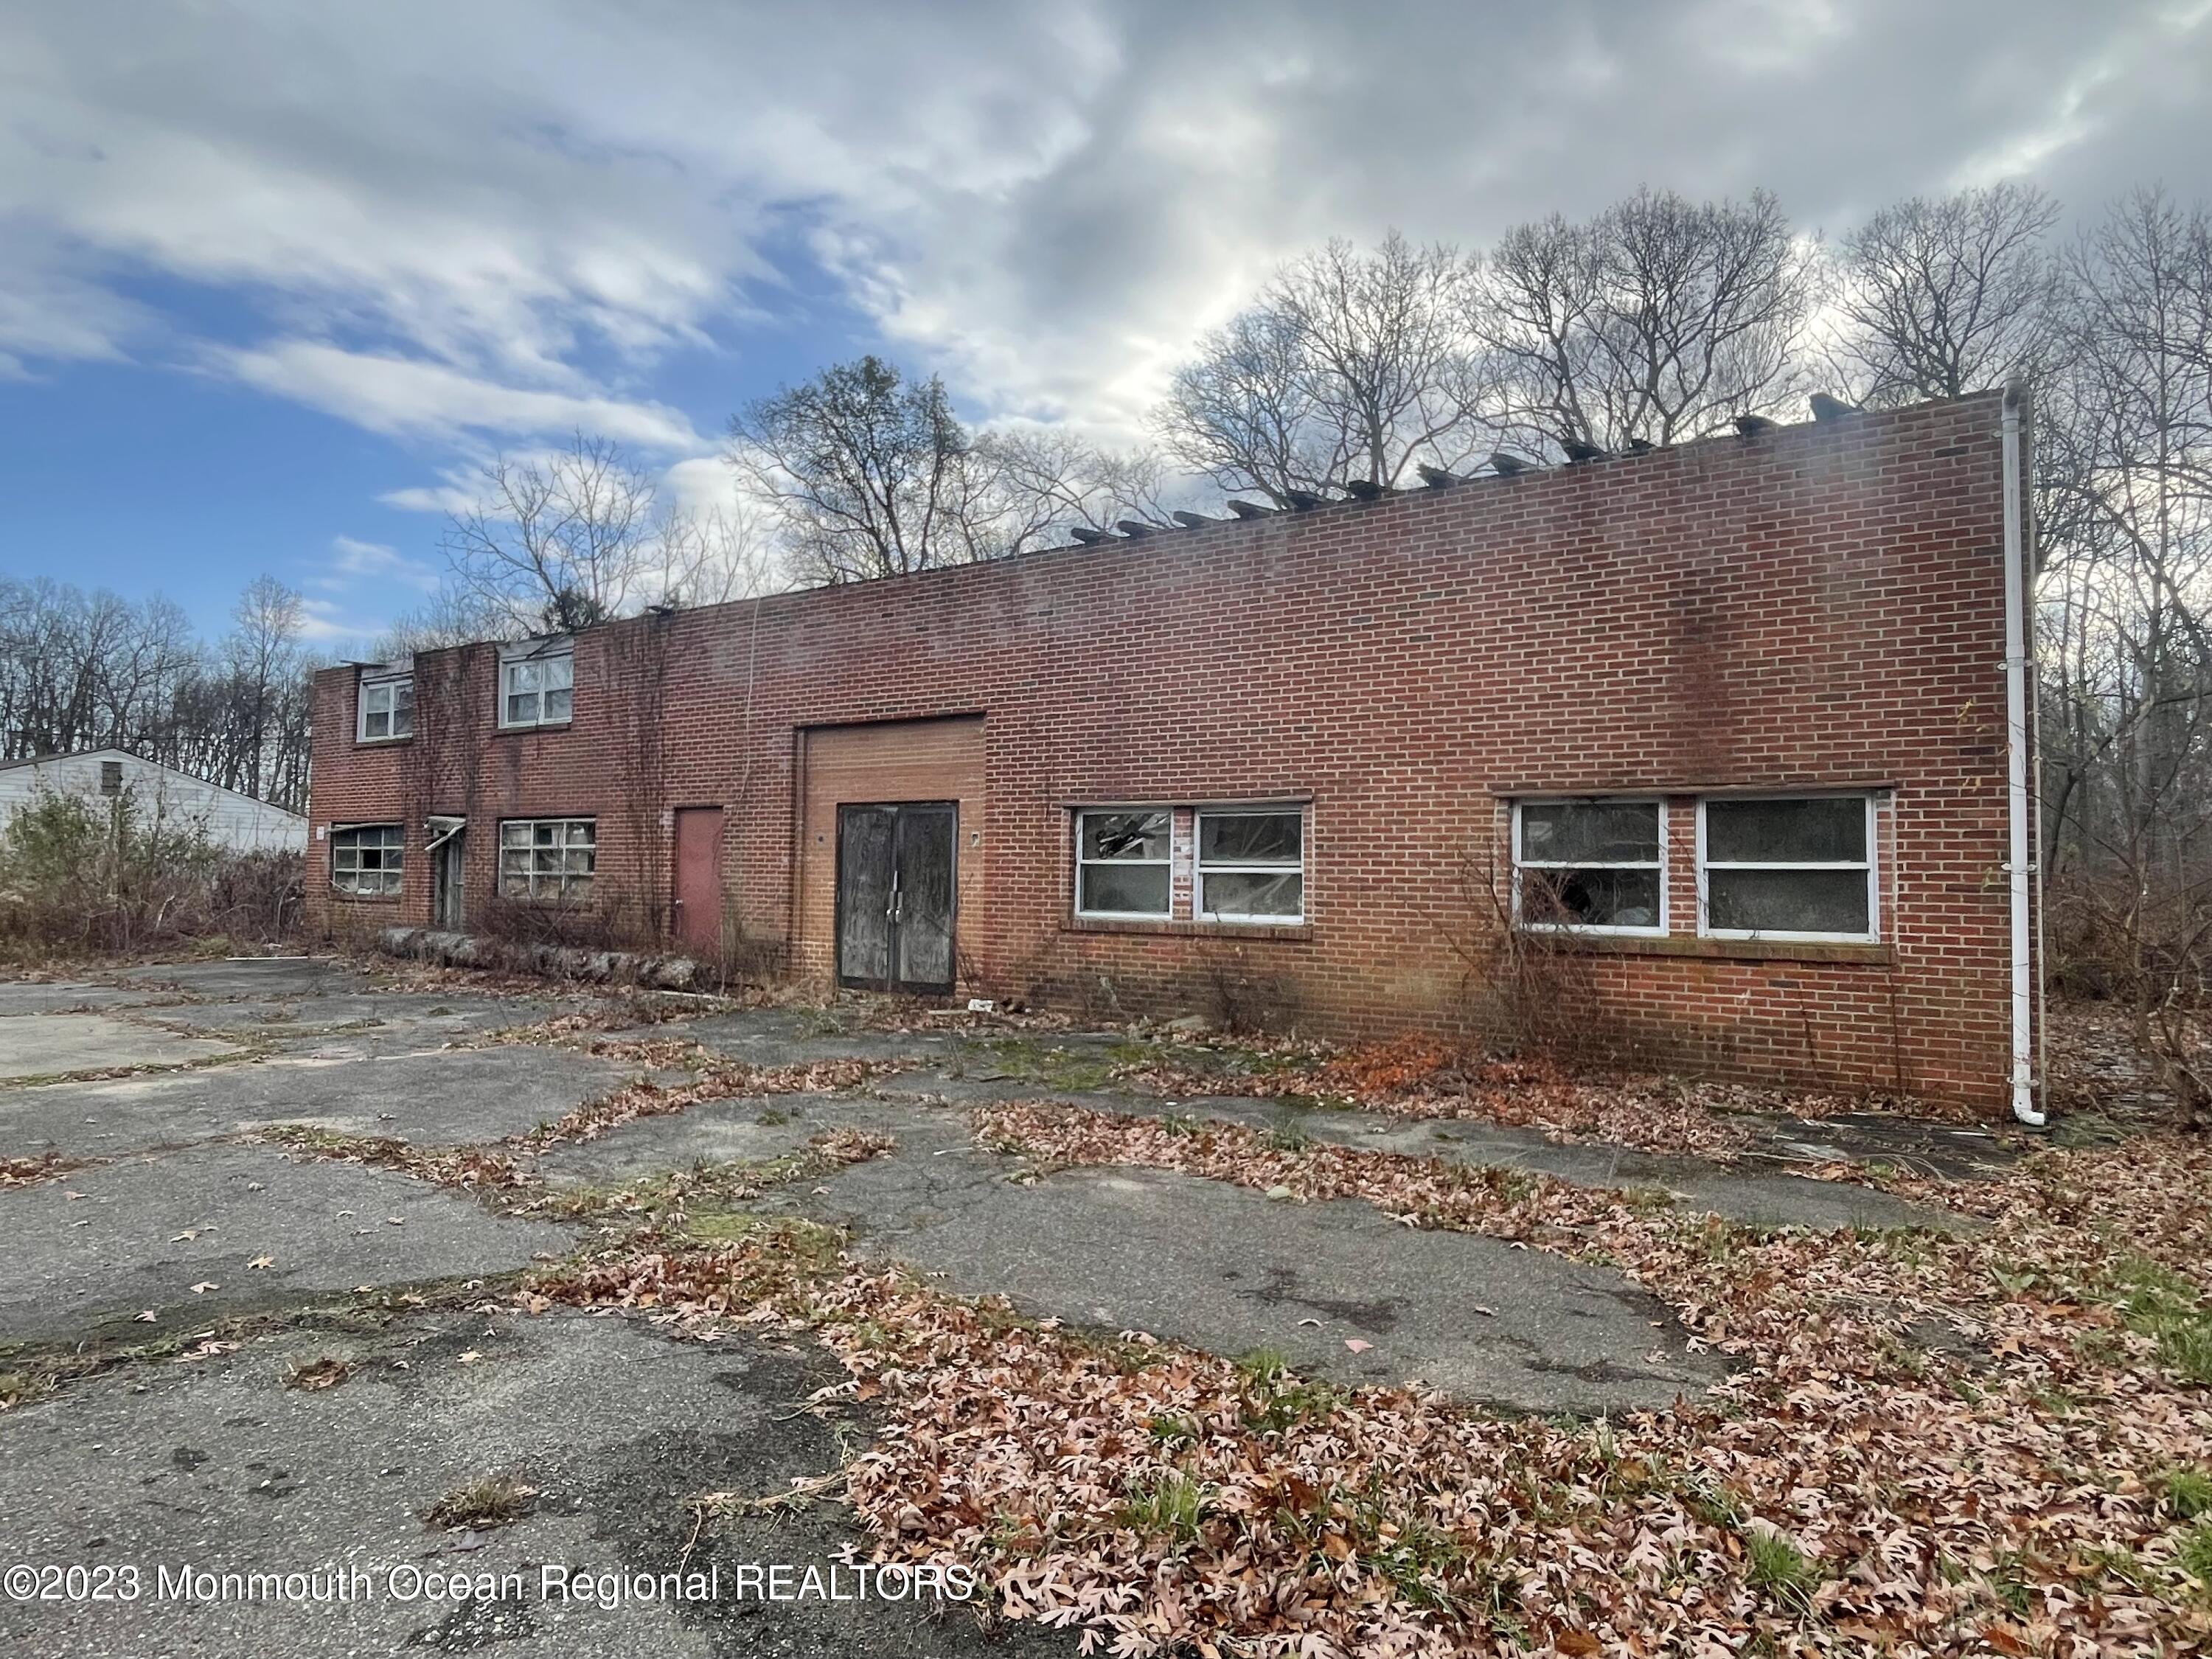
469 224
407 396
353 560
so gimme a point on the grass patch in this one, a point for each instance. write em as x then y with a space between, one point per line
2160 1303
1028 1059
2187 1492
499 1500
2193 1556
1171 1506
1781 1570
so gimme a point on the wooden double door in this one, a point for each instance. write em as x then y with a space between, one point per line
896 888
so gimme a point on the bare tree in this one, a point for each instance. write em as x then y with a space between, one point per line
1656 321
870 474
1351 365
1938 298
2125 504
559 541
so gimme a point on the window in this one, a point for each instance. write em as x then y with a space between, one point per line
1788 869
548 858
1597 866
365 859
387 708
1251 867
536 689
111 777
1121 863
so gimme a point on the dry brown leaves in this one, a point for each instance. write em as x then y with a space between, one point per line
46 1166
1995 1492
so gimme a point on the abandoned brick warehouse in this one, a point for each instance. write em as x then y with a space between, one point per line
1729 736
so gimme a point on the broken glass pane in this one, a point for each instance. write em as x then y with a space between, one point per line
1234 893
1830 830
1135 889
1787 901
1249 837
1125 835
1590 898
1590 831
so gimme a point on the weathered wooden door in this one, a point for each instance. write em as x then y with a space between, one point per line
447 869
895 895
698 904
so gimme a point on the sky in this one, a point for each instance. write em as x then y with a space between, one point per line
277 279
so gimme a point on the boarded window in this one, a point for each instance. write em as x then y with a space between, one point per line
1251 865
1799 867
1594 864
111 777
1121 863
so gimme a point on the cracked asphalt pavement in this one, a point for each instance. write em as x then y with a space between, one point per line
245 1267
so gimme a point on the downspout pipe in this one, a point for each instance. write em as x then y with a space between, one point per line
2020 864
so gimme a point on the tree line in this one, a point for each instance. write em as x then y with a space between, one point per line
92 670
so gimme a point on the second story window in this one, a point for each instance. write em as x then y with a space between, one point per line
387 708
536 685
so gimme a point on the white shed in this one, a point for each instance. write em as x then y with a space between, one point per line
224 815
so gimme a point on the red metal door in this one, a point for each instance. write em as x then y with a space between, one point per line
698 919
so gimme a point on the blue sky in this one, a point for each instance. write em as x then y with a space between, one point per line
275 278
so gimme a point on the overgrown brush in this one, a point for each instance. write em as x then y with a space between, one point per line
118 873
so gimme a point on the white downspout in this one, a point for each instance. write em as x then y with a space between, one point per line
2019 805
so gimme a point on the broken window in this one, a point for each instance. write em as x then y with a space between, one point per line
547 858
1121 863
537 688
365 857
1595 865
1251 865
111 777
1799 868
387 708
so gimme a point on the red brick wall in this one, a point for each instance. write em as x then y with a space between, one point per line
1820 606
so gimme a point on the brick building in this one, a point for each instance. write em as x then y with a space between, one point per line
1715 735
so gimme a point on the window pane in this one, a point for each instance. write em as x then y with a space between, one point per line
1818 831
403 708
1590 832
546 835
1240 894
1787 901
1590 898
1125 888
1125 835
515 834
522 709
522 676
376 724
557 705
1248 838
560 673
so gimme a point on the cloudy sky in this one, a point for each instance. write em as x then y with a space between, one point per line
274 277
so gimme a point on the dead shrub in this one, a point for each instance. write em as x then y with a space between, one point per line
118 873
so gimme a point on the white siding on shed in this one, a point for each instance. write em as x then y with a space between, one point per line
224 815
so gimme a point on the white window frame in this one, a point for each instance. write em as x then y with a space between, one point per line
542 657
389 684
534 881
397 868
1166 862
1873 867
1198 866
1659 930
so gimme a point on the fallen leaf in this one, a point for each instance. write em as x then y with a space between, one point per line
189 1233
263 1261
470 1357
146 1318
1356 1344
395 1221
204 1286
